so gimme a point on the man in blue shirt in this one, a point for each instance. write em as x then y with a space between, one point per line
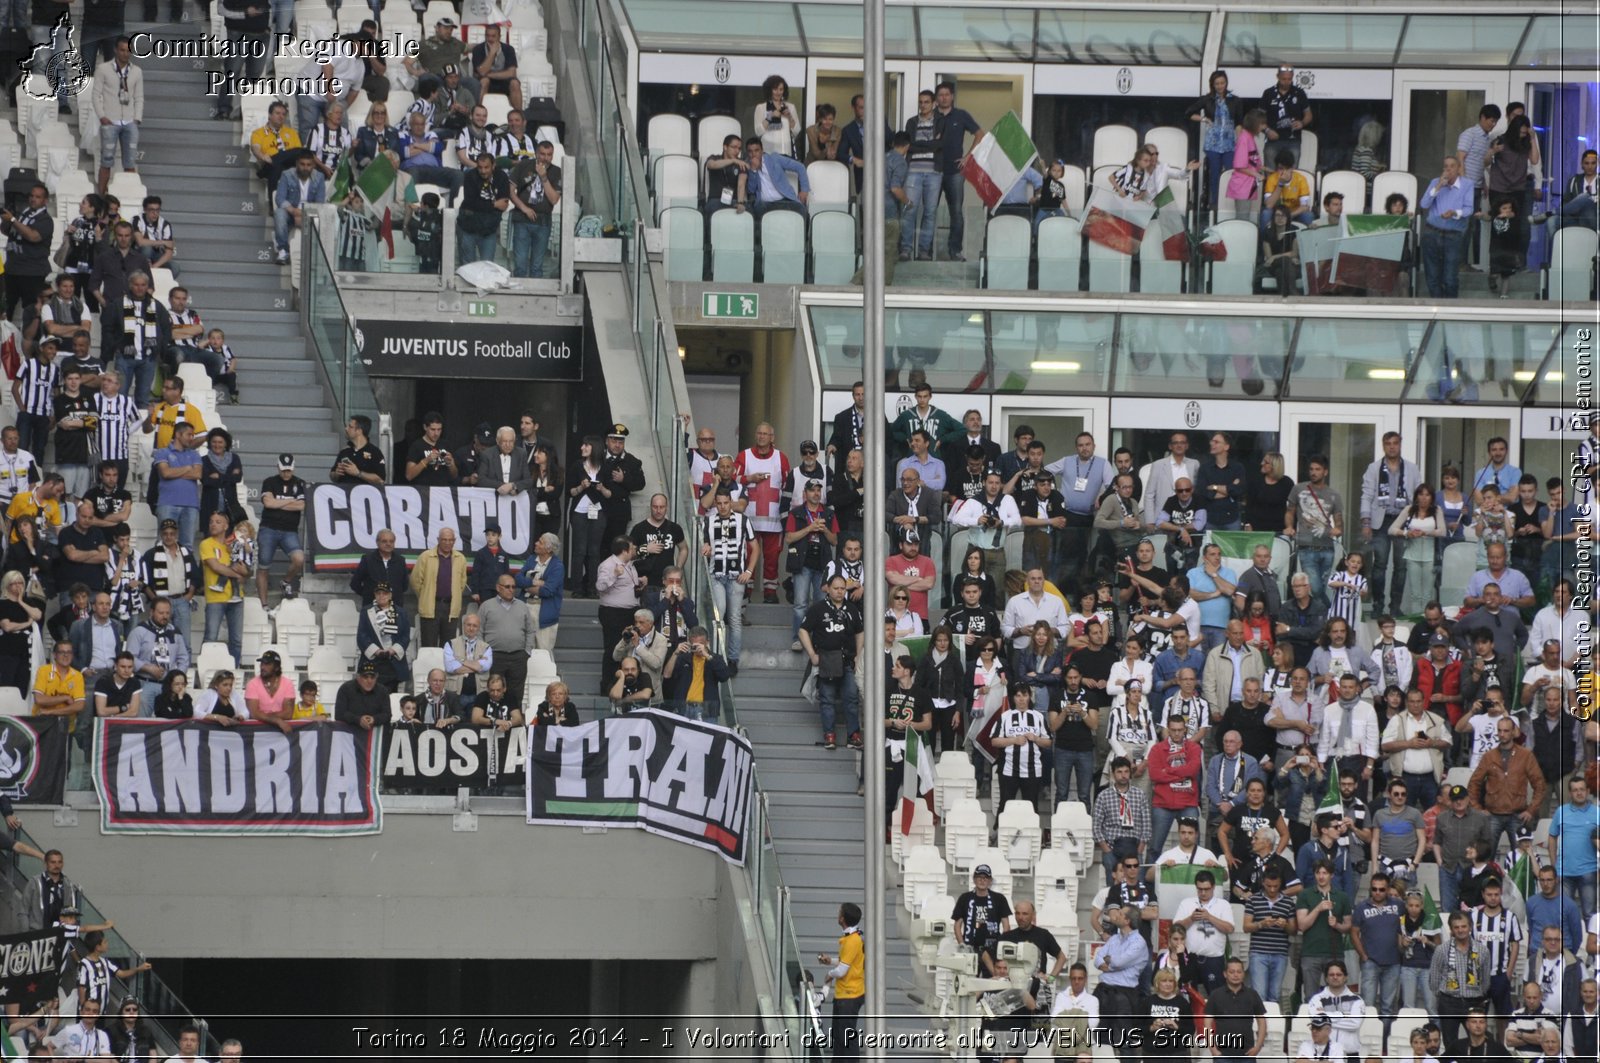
1572 842
1082 478
1018 199
177 466
422 154
767 186
1123 961
1550 906
1211 584
1447 206
1169 662
957 124
1498 470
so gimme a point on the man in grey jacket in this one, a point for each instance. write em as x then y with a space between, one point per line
1386 489
48 892
509 628
504 467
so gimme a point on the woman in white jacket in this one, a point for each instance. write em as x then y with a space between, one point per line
777 123
1421 525
1133 666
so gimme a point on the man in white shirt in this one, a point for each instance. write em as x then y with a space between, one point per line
1187 851
188 1046
1207 920
83 1040
1031 606
1558 621
1077 998
1349 735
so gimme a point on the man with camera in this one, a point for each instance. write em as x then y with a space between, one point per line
28 248
810 533
692 673
429 462
1416 743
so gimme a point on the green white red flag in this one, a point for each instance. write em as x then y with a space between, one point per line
1169 223
1369 254
997 161
1116 221
916 781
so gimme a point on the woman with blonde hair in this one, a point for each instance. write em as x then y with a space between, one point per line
17 624
1268 496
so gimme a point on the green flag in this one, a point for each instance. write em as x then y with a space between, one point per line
1240 546
1331 802
1520 879
341 179
916 646
1430 912
1183 874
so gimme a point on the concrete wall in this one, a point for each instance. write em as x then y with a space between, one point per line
412 891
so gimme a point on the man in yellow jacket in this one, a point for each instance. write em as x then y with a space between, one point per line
437 579
848 973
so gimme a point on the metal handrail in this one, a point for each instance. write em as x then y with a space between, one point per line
159 1004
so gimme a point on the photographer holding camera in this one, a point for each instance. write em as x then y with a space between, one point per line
691 676
28 248
429 462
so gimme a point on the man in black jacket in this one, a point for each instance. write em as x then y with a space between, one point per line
382 565
621 474
1300 621
362 702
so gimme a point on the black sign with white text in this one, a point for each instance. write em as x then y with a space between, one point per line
471 350
463 756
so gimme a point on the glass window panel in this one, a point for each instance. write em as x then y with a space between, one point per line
1352 359
1224 357
1557 383
1470 362
1121 37
1046 352
1462 40
1265 39
832 29
1560 41
944 346
977 33
710 26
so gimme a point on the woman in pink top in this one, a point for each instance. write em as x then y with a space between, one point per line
1247 172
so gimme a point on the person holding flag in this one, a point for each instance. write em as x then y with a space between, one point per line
908 711
1420 931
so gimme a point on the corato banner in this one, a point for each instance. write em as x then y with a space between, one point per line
649 769
416 759
189 777
463 349
343 520
33 759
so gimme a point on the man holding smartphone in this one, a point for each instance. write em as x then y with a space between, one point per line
1416 743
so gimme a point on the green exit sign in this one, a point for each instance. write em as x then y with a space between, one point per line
730 304
482 308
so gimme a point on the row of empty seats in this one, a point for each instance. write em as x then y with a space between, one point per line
783 255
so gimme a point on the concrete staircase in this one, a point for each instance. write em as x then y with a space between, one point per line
816 817
223 226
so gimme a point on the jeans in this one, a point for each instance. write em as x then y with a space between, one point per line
33 432
1380 986
1579 210
1266 974
231 613
251 66
115 138
76 477
472 248
14 15
831 692
1311 973
1069 762
1317 563
188 518
955 192
1388 562
1449 891
138 376
309 108
282 222
1161 821
921 214
183 620
529 242
807 589
1216 162
727 595
1507 824
1582 889
282 15
1442 251
1414 989
1421 790
1303 218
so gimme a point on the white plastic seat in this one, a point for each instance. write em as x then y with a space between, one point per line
127 187
922 878
683 229
1406 1020
1156 272
1055 880
1110 270
953 781
498 107
162 281
298 628
923 832
1225 208
677 182
1019 835
711 131
327 667
339 622
733 246
1007 247
257 631
668 134
1114 145
1233 276
966 830
1569 277
212 658
1060 254
1072 831
1388 183
428 658
1308 150
13 702
1349 184
1371 1036
1460 562
1172 142
195 380
1077 185
830 186
833 247
783 247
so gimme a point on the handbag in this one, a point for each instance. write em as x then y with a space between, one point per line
831 665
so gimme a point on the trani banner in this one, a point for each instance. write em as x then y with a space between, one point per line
649 769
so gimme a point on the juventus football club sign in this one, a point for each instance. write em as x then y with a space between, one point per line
191 777
650 770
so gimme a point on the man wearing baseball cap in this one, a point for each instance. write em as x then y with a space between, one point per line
445 48
283 500
1458 826
980 913
362 702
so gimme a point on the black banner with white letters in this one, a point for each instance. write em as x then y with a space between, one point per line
192 777
470 350
30 967
33 759
425 758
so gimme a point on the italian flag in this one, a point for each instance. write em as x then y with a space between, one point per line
1116 221
997 161
382 192
1369 255
1212 247
1317 247
916 781
1169 223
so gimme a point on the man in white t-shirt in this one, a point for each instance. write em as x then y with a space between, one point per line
1483 721
83 1039
1320 1046
188 1046
1187 851
1077 997
1207 920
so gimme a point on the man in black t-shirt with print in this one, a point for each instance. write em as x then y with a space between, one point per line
429 462
661 544
283 500
981 914
360 461
72 409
